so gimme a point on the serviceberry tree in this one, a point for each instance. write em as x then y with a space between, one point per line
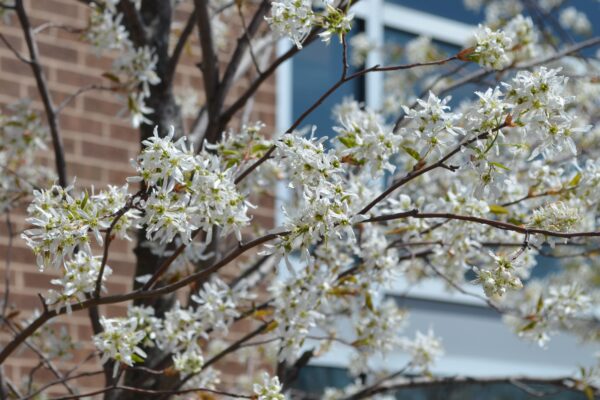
484 185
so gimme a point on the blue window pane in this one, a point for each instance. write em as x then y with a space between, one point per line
315 69
451 9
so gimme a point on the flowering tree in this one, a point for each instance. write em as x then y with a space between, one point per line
484 185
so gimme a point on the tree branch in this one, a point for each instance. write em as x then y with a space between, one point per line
42 85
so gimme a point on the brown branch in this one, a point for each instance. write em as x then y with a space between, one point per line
42 85
153 392
493 223
417 382
209 66
9 229
60 381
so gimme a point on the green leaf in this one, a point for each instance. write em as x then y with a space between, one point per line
497 164
136 358
111 77
589 392
528 327
260 147
497 209
576 179
412 152
85 200
540 304
369 302
348 141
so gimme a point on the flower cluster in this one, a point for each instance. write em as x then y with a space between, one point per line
298 303
431 125
21 136
571 18
377 330
424 349
119 341
186 191
134 69
335 22
363 138
558 217
360 47
63 220
105 30
504 276
178 332
540 103
545 311
293 19
491 48
270 389
79 279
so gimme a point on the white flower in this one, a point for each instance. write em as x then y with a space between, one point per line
79 279
523 35
539 104
425 349
297 307
491 48
187 191
558 217
270 389
293 19
190 361
503 276
334 22
119 341
216 305
105 30
364 138
360 47
378 329
62 222
432 123
22 136
571 18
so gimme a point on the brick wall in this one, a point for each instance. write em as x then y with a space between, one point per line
99 146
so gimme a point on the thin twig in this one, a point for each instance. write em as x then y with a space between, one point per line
9 229
82 90
14 51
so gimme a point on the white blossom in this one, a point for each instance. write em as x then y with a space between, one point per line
424 349
491 48
119 341
293 19
270 389
571 18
